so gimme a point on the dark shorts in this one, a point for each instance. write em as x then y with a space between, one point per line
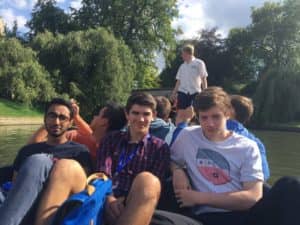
185 100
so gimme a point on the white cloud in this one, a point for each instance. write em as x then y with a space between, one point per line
17 4
20 4
198 14
191 18
9 17
76 4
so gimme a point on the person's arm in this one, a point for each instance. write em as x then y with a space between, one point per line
113 208
175 90
239 200
39 136
179 177
204 83
203 75
83 127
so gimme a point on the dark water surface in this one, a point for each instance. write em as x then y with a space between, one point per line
283 148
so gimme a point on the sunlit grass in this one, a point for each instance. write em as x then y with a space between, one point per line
12 109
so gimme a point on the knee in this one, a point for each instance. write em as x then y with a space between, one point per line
68 170
147 185
288 183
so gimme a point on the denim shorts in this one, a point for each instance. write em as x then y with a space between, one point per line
185 100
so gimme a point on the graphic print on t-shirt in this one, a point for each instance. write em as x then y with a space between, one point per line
213 166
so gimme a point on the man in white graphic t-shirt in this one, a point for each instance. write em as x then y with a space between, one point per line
191 79
225 184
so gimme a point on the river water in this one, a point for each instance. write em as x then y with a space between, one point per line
283 148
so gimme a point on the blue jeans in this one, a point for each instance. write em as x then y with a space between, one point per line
26 189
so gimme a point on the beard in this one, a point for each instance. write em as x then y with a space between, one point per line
55 131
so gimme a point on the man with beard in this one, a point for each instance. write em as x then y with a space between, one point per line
34 162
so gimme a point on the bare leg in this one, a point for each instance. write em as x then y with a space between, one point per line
142 199
66 178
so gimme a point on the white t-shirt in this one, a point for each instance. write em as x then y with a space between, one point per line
190 75
216 166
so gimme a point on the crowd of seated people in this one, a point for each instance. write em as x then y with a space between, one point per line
217 167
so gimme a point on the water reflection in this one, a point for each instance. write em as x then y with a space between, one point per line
12 138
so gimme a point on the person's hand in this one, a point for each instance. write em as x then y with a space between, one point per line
75 107
173 96
186 198
114 207
180 180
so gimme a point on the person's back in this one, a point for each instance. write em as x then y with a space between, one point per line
161 126
242 112
161 129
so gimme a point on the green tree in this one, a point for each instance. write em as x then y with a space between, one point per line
91 66
275 30
173 62
277 96
47 16
22 78
144 25
150 79
13 32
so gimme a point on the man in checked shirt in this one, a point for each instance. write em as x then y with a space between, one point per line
136 162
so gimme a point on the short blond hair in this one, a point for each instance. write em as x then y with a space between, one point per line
188 49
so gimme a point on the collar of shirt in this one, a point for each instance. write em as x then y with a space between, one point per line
192 59
142 142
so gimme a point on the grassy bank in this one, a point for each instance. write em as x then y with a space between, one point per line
290 126
12 109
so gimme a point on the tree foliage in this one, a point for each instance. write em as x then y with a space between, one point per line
92 66
277 96
145 26
276 40
22 78
276 32
47 16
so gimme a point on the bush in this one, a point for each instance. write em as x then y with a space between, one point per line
92 66
22 78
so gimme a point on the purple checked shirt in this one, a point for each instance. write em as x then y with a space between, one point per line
123 161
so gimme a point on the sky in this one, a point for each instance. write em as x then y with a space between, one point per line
194 15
